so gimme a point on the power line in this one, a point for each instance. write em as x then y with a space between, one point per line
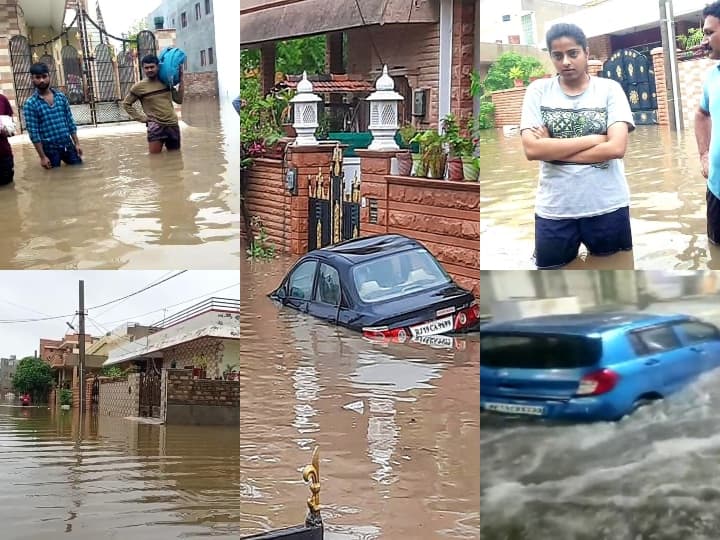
151 283
138 291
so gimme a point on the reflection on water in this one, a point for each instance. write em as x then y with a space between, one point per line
124 207
397 425
110 478
667 205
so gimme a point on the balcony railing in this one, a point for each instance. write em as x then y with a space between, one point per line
211 304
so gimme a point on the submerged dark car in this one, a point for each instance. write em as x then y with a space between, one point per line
386 286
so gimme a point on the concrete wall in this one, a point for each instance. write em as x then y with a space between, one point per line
188 401
120 397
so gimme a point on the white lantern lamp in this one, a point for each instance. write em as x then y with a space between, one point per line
384 113
305 105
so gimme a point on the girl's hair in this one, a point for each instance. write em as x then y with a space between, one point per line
572 31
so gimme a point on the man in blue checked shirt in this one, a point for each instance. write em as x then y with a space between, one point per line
50 123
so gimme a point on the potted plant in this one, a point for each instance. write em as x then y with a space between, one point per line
404 157
537 72
200 364
65 399
517 75
230 373
459 146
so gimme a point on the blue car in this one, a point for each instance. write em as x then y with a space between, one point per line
589 367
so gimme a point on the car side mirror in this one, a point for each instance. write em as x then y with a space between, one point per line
281 293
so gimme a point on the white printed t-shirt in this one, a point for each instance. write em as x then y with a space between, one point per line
575 190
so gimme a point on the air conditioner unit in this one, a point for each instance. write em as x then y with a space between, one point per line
419 102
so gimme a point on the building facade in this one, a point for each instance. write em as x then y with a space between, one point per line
194 24
7 370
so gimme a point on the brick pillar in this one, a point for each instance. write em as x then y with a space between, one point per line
374 167
463 33
267 67
88 392
600 47
594 67
309 160
658 59
334 53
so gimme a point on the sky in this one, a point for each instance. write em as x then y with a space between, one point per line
120 15
30 294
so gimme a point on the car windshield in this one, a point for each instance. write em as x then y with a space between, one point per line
499 350
397 274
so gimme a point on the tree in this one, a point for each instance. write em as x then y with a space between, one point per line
33 376
303 54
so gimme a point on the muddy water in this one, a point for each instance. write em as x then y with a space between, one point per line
404 466
110 478
124 207
667 204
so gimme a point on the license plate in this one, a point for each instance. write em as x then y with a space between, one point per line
438 326
515 409
441 342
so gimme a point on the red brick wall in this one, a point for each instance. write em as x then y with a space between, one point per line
660 87
508 106
203 84
462 59
267 199
600 47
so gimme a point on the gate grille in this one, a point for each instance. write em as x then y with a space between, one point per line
149 394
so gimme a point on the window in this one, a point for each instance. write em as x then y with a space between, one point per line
198 12
328 289
211 55
300 282
509 350
696 332
654 340
527 29
207 7
183 19
202 57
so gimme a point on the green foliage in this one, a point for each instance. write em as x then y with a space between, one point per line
249 60
475 86
486 118
303 54
693 38
407 132
431 149
33 376
261 248
459 145
112 371
65 397
499 76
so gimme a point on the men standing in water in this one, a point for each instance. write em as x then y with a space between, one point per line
156 99
49 122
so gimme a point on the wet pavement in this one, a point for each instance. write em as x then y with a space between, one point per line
124 208
402 462
667 206
652 475
111 478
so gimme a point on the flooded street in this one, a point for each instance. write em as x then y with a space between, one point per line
403 462
124 208
667 205
111 478
652 475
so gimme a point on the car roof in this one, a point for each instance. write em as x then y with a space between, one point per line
366 248
584 323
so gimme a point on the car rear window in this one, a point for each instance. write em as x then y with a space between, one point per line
499 350
397 274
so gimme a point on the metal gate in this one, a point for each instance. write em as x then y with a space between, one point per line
150 394
634 71
333 210
95 78
95 394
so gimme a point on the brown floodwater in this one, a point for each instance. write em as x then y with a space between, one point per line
124 208
111 478
405 465
667 205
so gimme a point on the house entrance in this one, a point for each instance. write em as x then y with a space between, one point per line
634 71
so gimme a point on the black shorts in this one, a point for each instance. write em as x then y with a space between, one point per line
557 241
170 135
7 170
713 217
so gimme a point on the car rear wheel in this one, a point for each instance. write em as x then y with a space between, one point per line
644 400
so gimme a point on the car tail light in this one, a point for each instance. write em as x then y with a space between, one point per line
385 333
597 382
467 317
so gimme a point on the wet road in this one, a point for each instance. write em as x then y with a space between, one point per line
124 208
111 478
651 475
667 205
406 466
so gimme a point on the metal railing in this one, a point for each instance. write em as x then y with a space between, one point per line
211 304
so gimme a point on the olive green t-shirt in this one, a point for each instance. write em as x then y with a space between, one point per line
156 100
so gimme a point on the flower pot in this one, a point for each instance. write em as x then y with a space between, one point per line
418 167
405 163
471 173
455 169
289 130
436 168
519 83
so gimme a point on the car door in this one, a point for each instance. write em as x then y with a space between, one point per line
299 285
327 300
703 343
663 357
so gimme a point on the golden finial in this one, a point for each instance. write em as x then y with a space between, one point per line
311 473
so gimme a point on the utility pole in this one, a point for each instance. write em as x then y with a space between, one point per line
81 344
667 33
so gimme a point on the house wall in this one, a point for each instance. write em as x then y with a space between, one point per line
462 59
189 354
267 198
12 23
120 398
188 401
